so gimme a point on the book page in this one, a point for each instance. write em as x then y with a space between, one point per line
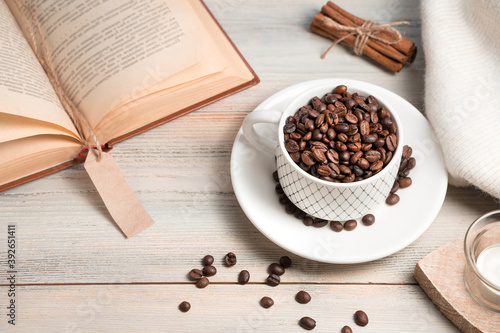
106 51
24 88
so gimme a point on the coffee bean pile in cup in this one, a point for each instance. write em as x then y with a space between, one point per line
402 181
341 137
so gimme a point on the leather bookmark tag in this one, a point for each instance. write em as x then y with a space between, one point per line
120 200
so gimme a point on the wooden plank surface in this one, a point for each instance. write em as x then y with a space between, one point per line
223 307
68 246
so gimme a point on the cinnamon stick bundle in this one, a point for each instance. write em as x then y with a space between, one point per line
334 22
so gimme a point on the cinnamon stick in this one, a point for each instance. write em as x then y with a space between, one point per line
404 46
385 49
319 26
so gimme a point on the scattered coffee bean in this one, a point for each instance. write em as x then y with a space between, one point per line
277 269
350 225
368 219
319 223
361 318
208 260
266 302
202 283
308 221
395 187
285 261
404 182
209 270
243 277
273 280
275 176
392 199
346 329
303 297
336 226
307 323
230 259
184 306
195 274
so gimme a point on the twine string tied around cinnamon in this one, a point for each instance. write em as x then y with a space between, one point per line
363 33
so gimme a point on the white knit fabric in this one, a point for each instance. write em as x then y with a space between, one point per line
461 41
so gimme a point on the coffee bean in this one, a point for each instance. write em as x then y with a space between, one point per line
376 166
307 323
277 269
266 302
209 270
391 142
308 221
346 329
230 259
195 274
355 157
342 128
388 157
276 179
350 225
336 226
363 163
285 261
208 259
290 208
289 128
349 179
319 223
354 146
307 158
350 118
361 318
344 169
341 89
349 103
184 306
295 157
356 170
243 277
405 182
319 155
202 283
392 199
368 219
369 138
273 280
299 214
411 163
324 170
303 297
278 190
372 156
407 151
291 146
372 100
395 187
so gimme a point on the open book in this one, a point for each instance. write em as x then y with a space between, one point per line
126 65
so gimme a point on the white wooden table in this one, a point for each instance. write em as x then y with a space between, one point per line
77 273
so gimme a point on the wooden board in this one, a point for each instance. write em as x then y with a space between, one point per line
220 307
440 275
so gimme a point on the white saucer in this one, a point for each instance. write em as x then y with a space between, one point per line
395 227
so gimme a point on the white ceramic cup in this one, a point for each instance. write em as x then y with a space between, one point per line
316 197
